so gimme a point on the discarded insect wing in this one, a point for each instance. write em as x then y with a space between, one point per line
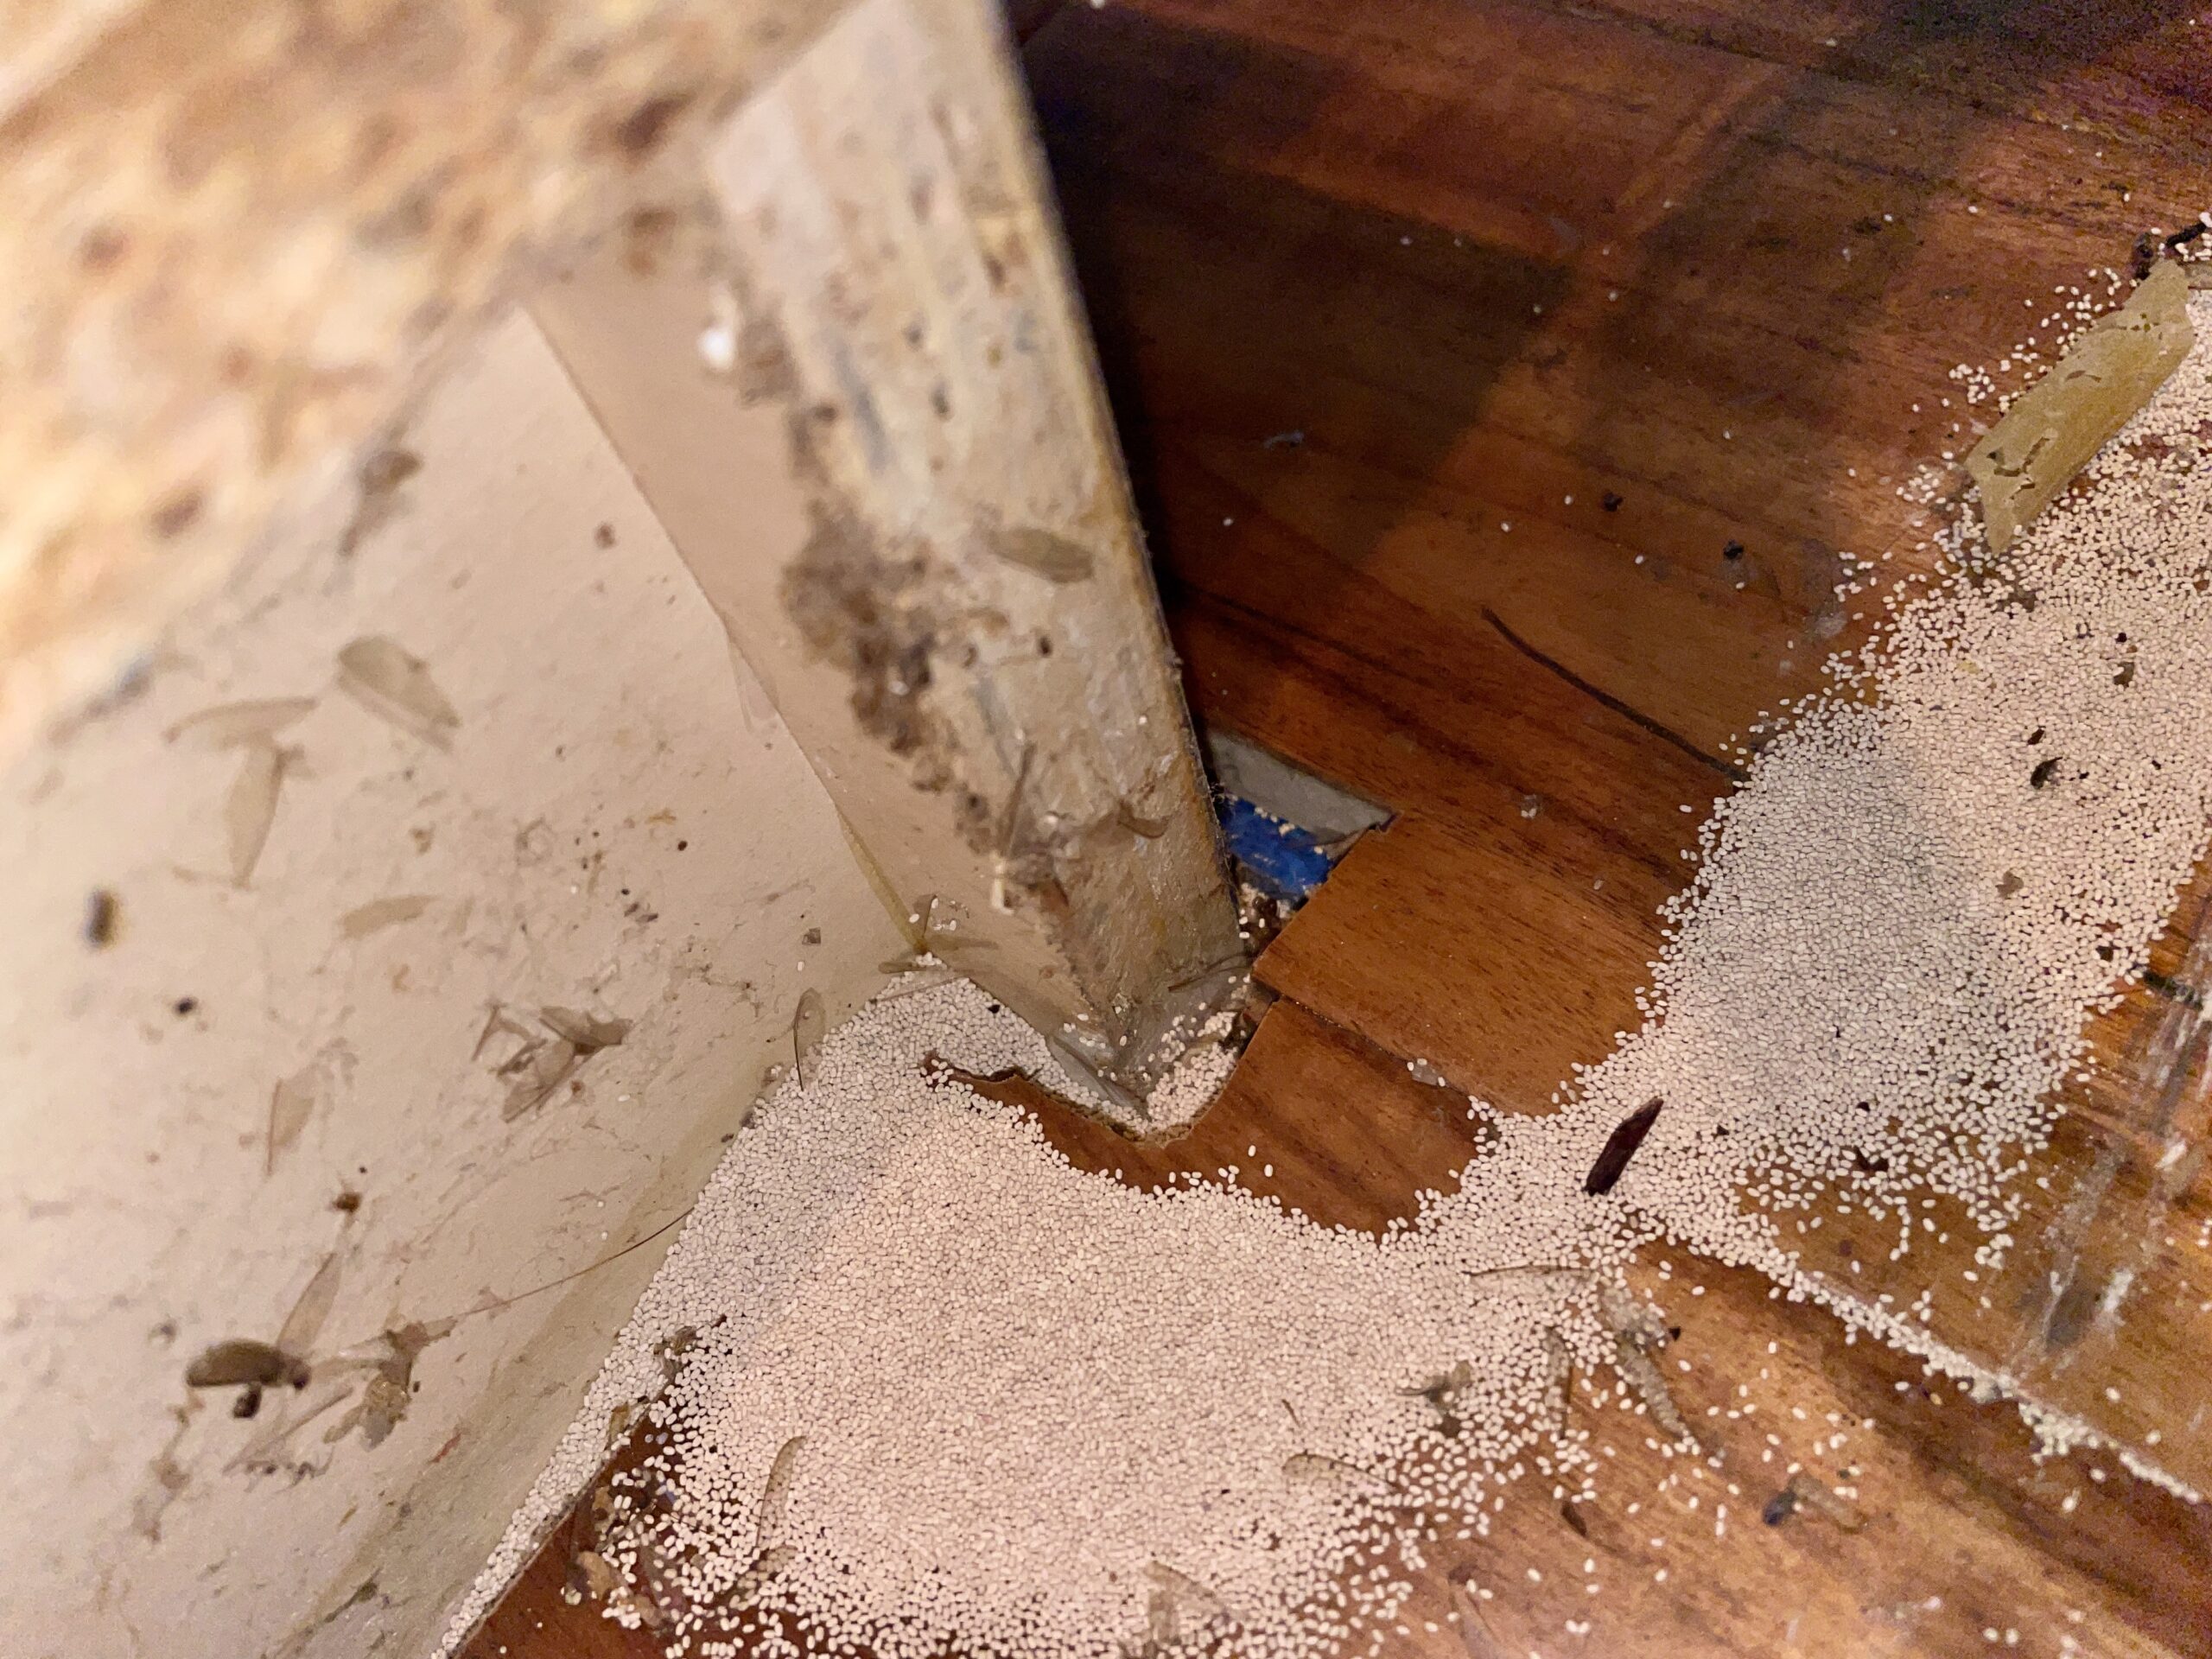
305 1322
1620 1148
809 1025
754 1578
776 1491
379 913
543 1067
251 807
291 1103
1039 551
229 724
588 1032
396 686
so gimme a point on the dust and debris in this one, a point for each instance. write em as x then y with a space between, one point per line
543 1060
101 908
1041 552
379 480
227 725
396 686
167 1478
380 914
870 614
249 809
391 1387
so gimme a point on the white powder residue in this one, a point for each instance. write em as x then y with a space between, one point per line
1031 1412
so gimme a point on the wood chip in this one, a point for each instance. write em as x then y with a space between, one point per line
396 686
2057 425
251 807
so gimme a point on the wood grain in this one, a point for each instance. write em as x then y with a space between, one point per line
943 584
1706 274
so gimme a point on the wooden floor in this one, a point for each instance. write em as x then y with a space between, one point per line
1641 279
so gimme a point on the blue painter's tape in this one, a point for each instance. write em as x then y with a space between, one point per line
1280 857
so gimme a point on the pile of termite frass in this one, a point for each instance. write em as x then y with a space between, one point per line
917 1383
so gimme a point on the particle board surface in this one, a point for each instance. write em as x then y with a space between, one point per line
1372 286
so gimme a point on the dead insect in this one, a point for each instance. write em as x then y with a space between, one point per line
2042 774
2147 247
2127 675
1780 1507
2187 234
1734 550
99 918
1620 1147
241 1362
1442 1393
1610 501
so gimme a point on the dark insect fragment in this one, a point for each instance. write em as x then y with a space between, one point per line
99 918
1780 1507
2043 772
242 1362
1610 501
1620 1147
